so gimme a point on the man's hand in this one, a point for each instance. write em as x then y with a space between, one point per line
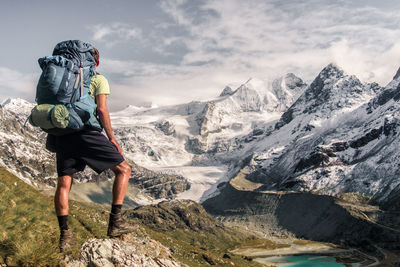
116 144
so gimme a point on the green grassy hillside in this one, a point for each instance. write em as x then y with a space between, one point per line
29 231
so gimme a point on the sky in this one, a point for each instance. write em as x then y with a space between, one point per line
164 52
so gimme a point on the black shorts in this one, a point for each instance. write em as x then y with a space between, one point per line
92 148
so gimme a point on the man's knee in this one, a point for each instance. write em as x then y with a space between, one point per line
122 168
64 182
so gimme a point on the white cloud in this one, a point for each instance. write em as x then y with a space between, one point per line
16 84
275 37
115 33
228 41
136 83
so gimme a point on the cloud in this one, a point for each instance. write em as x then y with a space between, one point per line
273 37
133 82
16 84
114 33
228 41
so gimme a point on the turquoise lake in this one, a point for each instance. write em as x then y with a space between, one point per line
304 260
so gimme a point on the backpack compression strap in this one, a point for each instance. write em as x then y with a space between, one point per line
81 73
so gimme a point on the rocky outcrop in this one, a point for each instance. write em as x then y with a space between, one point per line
166 127
131 251
176 214
158 185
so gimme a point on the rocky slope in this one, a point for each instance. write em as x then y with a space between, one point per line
24 154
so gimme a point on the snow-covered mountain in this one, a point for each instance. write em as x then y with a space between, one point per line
180 140
17 106
333 136
339 136
196 139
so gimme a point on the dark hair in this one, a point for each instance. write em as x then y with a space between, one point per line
96 55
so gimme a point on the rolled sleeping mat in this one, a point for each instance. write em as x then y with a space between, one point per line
48 116
60 116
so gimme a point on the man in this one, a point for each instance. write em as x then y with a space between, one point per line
92 148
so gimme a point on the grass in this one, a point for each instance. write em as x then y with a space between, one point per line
203 251
28 224
29 231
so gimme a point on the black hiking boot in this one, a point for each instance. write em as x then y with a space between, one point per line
66 240
117 226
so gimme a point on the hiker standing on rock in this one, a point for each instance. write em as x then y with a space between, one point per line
84 144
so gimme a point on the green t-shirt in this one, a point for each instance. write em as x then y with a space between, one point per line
98 86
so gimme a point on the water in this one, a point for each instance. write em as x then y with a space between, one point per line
304 260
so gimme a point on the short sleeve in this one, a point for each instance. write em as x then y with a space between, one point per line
99 86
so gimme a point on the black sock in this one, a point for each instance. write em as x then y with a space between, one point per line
115 209
63 222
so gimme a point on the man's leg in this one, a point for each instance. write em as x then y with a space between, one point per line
64 184
122 173
117 226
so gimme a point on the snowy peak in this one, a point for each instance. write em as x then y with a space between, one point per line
390 92
247 98
227 91
397 75
333 89
331 69
331 92
285 90
129 110
17 106
293 82
322 84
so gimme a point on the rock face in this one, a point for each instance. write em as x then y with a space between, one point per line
166 127
133 251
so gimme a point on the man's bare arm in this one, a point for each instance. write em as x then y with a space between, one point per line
104 117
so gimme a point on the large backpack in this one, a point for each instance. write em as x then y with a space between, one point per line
62 93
